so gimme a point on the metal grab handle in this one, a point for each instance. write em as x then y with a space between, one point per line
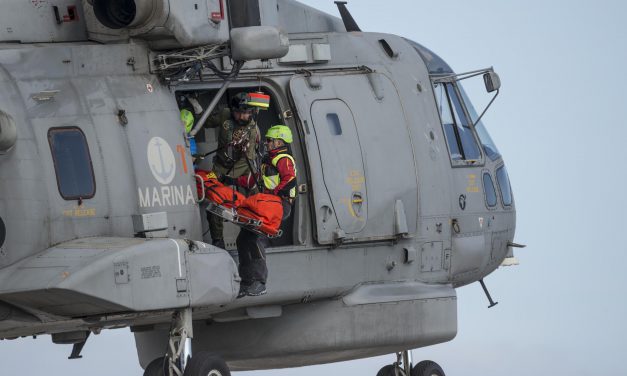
357 201
198 177
326 213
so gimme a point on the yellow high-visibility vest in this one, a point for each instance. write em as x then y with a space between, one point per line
272 181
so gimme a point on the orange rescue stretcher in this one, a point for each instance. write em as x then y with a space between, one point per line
260 213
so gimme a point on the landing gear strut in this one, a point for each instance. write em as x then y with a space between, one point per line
179 343
403 367
178 361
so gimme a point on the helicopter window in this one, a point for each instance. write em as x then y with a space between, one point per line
447 121
486 141
489 190
489 147
450 135
503 180
459 135
469 144
334 124
72 163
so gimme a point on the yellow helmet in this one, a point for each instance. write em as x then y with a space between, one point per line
188 119
281 132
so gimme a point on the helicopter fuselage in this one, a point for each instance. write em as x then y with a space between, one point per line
401 200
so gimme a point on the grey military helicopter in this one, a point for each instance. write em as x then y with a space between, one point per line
403 196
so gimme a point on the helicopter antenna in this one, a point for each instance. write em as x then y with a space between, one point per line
349 21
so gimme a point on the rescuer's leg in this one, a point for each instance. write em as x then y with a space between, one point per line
216 229
259 268
245 246
216 223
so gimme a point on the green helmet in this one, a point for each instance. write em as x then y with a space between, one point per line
281 132
188 119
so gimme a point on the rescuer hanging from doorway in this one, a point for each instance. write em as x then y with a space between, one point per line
278 178
238 141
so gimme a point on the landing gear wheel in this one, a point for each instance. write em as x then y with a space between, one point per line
427 368
157 367
204 363
387 371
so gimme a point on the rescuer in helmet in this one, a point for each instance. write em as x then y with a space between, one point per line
190 110
277 177
238 141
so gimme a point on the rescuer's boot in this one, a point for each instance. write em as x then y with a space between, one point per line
257 288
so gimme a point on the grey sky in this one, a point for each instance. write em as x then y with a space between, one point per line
559 124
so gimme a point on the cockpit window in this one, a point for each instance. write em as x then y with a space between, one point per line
489 190
489 147
448 122
457 127
506 191
72 163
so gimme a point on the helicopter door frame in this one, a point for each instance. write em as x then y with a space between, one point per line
280 104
